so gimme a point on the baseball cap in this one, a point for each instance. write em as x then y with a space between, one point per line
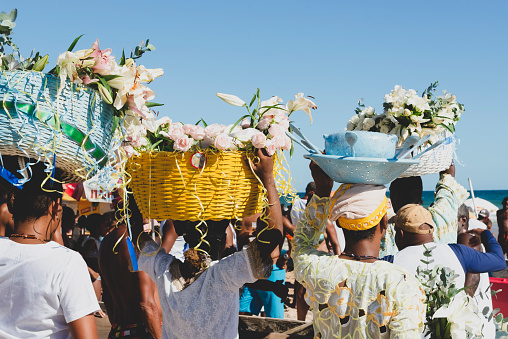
410 217
483 213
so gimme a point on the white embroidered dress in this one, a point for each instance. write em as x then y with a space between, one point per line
378 300
208 307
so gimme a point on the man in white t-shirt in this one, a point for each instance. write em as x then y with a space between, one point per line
200 302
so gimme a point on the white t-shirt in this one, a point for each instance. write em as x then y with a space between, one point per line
42 288
207 308
297 210
410 258
473 223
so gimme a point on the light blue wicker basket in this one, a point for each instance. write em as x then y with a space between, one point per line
72 130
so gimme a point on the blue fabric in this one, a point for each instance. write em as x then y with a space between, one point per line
474 261
252 300
388 258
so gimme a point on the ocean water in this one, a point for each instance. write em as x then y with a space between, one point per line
494 196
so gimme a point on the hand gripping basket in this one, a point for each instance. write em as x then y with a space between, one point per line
167 186
434 161
73 130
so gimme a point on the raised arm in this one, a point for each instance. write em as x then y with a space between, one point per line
449 195
271 237
150 311
479 262
312 224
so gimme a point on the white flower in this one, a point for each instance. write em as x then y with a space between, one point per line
462 314
231 99
270 113
67 63
245 135
301 103
368 123
147 75
369 112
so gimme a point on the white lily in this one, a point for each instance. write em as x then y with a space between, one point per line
147 75
462 314
301 103
232 99
67 63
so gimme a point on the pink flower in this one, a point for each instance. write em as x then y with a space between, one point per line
86 80
213 130
270 147
187 128
137 99
259 140
183 143
245 123
279 141
175 131
197 132
282 119
104 61
129 151
287 145
276 130
263 124
222 142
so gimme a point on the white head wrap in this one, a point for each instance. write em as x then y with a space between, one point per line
358 206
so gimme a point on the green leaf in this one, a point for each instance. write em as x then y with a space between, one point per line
499 318
122 59
105 84
486 310
109 77
153 104
116 119
252 101
451 128
71 47
292 150
155 145
204 123
238 121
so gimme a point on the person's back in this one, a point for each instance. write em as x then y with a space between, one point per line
129 297
354 294
37 289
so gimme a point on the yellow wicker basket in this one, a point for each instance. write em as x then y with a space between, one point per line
167 186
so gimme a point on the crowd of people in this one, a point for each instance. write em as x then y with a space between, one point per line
356 269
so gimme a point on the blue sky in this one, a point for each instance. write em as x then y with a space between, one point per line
336 51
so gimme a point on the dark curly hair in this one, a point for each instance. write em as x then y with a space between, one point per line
37 195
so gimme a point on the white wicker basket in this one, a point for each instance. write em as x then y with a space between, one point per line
434 161
29 103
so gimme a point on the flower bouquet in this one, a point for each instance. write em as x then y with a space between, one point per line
192 172
68 117
406 113
450 312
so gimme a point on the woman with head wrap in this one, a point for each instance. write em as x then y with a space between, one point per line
354 294
46 292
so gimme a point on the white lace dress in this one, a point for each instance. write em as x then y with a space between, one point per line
208 307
